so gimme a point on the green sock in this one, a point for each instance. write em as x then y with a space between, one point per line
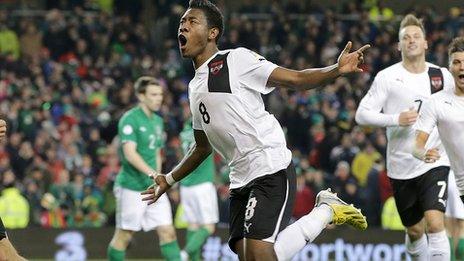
196 241
460 249
171 251
451 242
196 255
115 255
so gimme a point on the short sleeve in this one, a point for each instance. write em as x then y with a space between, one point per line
253 70
126 130
427 117
377 95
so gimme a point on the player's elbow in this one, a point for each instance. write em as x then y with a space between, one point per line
204 150
359 117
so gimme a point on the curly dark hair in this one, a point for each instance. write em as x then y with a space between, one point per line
213 15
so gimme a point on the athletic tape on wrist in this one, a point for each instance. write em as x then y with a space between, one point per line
170 180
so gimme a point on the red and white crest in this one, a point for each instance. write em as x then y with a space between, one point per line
437 83
215 67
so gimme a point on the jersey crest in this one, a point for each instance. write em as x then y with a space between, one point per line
436 79
215 67
218 74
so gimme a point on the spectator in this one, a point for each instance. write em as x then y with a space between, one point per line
9 44
390 217
31 42
304 198
345 184
14 208
363 162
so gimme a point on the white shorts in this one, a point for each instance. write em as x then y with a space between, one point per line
200 204
455 207
134 214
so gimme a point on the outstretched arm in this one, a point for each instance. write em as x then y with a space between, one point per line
194 157
310 78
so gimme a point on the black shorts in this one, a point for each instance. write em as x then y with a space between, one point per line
262 208
2 230
426 192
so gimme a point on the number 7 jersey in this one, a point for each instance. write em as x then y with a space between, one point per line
396 90
226 103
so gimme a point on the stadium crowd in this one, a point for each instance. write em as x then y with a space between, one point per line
66 77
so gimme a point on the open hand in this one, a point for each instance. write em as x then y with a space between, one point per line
155 191
409 117
432 155
349 62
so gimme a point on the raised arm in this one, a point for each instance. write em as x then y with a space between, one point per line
310 78
194 157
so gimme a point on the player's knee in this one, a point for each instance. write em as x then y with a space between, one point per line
415 232
121 239
166 234
435 227
435 222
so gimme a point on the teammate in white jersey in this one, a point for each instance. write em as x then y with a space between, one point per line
228 115
445 112
393 101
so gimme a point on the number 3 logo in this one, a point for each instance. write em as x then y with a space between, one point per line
204 113
72 247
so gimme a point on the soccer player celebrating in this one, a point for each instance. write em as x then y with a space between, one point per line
393 101
198 197
228 115
141 137
444 111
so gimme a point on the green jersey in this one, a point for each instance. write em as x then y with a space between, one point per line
204 172
147 133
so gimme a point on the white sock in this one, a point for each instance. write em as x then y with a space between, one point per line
439 247
417 250
294 237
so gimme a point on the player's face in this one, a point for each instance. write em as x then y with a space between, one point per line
412 42
153 97
456 68
193 33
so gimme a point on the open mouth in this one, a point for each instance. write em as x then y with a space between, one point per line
182 40
461 77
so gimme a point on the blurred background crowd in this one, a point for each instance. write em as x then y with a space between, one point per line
66 76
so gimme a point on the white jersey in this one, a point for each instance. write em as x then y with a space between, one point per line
226 103
445 111
393 91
